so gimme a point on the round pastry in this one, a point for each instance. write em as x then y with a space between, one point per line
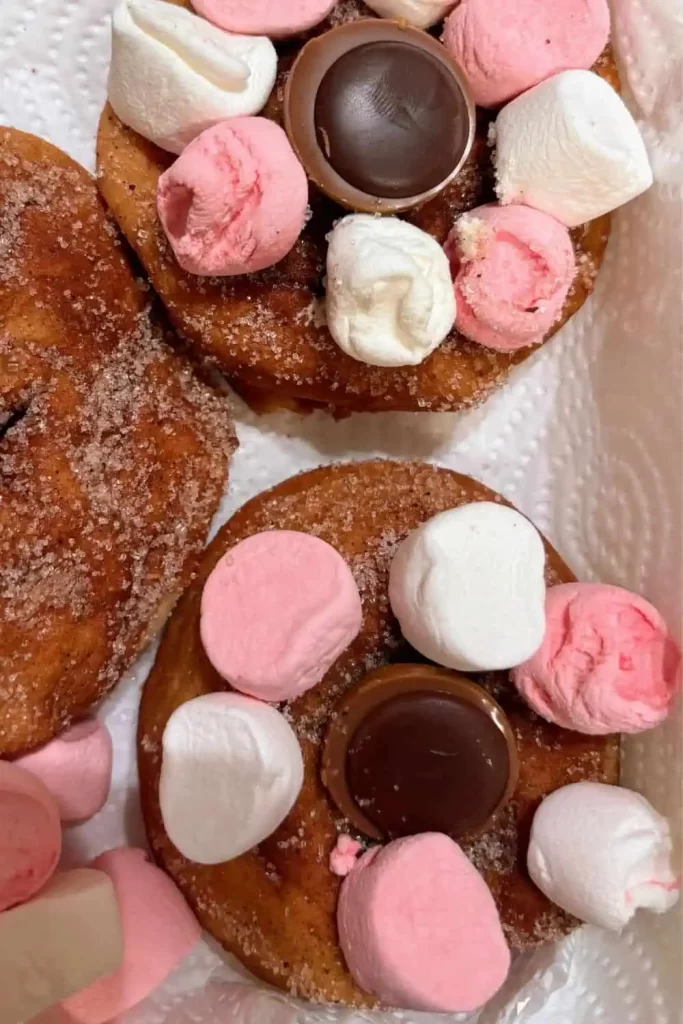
113 455
266 331
275 907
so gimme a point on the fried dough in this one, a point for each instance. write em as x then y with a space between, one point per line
113 455
275 907
266 331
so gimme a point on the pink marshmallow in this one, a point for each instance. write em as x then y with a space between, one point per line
277 611
273 18
30 835
159 931
507 51
419 928
607 663
235 200
343 858
513 268
76 768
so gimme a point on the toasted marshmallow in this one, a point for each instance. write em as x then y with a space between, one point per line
390 297
468 588
570 147
421 13
231 772
601 853
173 74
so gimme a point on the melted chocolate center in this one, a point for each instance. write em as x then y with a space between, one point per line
391 119
427 762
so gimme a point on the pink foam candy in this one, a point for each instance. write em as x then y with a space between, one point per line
607 663
158 932
419 928
76 768
343 858
513 268
526 42
235 200
30 835
277 611
273 18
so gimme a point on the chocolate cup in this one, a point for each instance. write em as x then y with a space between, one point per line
427 684
315 60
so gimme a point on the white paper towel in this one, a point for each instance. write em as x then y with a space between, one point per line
587 439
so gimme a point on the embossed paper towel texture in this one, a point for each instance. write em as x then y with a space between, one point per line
586 439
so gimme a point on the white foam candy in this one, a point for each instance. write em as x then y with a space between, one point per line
421 13
570 147
231 772
390 297
468 588
173 74
602 852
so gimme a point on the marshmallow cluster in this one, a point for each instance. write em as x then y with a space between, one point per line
158 929
173 74
65 939
602 852
570 148
390 298
231 772
468 588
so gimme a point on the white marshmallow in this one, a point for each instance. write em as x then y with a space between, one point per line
570 147
602 852
421 13
173 74
231 772
390 296
468 588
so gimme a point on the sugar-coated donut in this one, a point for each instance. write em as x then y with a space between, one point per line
275 907
113 453
267 331
30 835
76 768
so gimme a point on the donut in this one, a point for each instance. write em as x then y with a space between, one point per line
275 907
113 454
263 330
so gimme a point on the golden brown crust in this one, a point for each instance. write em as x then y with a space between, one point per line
263 330
113 457
275 908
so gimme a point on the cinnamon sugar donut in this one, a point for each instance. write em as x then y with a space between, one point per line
266 331
275 907
113 455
